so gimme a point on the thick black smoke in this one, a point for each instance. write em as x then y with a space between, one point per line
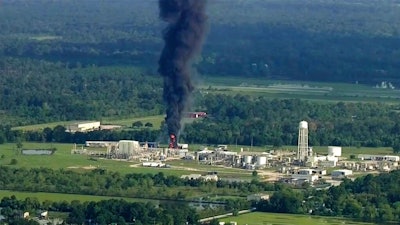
183 40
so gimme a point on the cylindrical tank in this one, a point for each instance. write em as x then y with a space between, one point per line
248 159
261 160
128 147
334 151
303 125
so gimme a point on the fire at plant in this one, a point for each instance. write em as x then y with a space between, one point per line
172 141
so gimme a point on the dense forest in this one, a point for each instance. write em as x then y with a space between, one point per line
53 54
107 183
309 40
114 211
368 198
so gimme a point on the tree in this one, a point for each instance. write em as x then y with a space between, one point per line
13 162
19 146
214 222
2 138
286 201
396 147
137 124
148 124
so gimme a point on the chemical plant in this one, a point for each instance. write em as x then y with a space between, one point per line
286 166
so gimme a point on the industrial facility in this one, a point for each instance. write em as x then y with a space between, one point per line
293 167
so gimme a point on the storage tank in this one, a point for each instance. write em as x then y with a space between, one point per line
128 147
334 151
261 160
303 125
248 159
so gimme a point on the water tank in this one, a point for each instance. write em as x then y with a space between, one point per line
261 160
334 151
248 159
303 125
128 147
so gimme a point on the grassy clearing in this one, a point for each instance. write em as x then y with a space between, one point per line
126 122
259 218
58 197
317 91
155 120
63 159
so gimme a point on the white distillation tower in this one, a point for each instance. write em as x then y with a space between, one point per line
302 147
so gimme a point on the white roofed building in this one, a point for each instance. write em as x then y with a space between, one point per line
83 126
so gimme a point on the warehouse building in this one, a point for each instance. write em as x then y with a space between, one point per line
83 126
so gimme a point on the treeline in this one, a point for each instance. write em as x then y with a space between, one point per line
258 121
107 183
113 211
368 198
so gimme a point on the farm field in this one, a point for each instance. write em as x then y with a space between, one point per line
261 218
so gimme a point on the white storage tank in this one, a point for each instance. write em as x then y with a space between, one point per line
261 160
248 159
303 125
128 147
334 151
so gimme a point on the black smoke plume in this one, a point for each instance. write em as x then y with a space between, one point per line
183 39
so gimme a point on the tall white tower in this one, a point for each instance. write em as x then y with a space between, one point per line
302 147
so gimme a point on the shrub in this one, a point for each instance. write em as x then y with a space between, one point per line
13 162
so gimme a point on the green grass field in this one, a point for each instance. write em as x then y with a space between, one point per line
260 218
58 197
126 122
63 159
315 91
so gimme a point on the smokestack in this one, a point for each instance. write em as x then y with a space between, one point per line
183 39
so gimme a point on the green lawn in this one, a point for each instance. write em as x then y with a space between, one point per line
58 197
260 218
63 159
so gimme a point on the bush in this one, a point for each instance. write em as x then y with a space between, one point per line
13 162
137 124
